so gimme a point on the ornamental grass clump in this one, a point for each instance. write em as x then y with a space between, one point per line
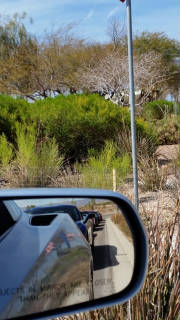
33 163
97 172
151 176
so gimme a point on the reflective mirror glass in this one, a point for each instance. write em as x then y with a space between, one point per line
60 252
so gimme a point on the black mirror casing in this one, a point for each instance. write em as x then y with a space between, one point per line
135 225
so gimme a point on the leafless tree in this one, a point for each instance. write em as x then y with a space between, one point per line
111 75
151 76
116 32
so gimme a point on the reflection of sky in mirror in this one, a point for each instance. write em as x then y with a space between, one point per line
55 201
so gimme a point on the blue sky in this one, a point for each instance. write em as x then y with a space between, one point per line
91 17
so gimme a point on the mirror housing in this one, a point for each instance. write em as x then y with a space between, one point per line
135 225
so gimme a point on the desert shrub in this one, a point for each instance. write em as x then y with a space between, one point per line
35 163
167 130
68 177
11 111
151 177
6 153
18 107
85 122
77 122
146 143
157 110
81 122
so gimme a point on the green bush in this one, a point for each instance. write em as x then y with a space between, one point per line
77 122
83 122
157 110
11 111
6 151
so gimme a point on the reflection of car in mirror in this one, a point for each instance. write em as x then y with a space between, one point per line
73 211
95 216
46 260
49 264
98 216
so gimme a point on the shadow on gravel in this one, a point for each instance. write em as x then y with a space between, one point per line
104 256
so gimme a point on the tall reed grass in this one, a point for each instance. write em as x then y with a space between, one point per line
33 163
97 171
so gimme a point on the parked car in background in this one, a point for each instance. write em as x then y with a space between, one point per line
44 261
89 220
85 213
83 223
96 217
99 216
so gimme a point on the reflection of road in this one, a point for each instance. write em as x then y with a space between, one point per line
113 259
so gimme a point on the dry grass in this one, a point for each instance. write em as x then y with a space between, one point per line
159 297
151 176
119 220
68 178
144 145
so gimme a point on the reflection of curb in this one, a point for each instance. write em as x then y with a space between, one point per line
126 244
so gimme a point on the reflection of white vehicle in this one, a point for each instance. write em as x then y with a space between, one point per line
46 260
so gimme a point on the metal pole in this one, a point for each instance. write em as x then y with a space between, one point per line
132 101
114 180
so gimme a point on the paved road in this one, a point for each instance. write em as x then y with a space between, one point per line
113 259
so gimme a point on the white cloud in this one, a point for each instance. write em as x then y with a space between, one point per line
89 15
112 12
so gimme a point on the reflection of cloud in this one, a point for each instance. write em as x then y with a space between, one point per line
112 12
89 15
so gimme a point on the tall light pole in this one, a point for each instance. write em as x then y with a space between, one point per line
132 100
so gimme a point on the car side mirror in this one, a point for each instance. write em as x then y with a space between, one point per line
51 269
